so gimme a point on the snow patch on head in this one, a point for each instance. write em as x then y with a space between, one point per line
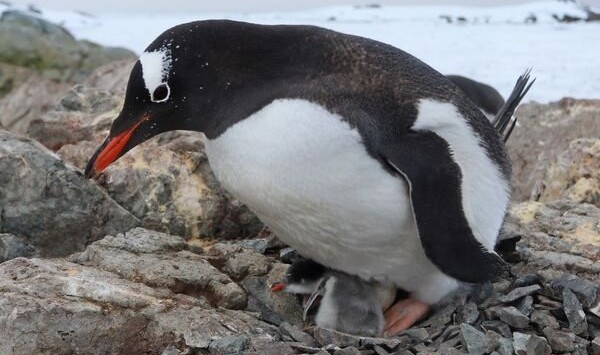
156 66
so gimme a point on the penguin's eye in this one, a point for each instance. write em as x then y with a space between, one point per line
161 93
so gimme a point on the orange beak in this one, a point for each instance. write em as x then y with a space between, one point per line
110 150
278 286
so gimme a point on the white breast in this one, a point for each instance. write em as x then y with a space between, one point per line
307 175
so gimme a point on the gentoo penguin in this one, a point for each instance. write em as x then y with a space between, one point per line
349 304
355 153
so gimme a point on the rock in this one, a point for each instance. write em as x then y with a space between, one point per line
559 341
585 291
513 317
239 262
525 305
350 350
537 345
228 345
467 313
595 346
545 130
43 61
289 255
561 236
498 327
274 308
49 205
474 341
12 247
574 312
575 174
544 319
70 308
326 336
297 334
159 260
519 293
520 341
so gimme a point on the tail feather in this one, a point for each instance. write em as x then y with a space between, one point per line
505 121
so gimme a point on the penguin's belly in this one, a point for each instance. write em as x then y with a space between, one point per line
307 175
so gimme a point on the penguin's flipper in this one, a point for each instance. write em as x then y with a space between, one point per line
424 160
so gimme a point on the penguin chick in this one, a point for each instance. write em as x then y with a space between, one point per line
349 304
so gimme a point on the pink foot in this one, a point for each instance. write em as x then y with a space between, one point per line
403 315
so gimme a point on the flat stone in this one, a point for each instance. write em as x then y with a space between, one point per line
586 291
289 255
559 341
526 280
497 326
350 350
503 345
305 349
239 262
380 350
519 292
467 313
520 343
525 305
574 312
388 343
537 345
513 317
259 245
326 336
544 319
475 341
417 333
297 334
544 302
595 346
228 345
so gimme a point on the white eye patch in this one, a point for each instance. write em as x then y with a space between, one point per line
156 66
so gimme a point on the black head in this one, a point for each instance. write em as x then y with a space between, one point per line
200 76
305 271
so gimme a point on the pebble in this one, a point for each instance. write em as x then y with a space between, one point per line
467 313
476 342
559 341
544 319
417 333
586 291
512 317
519 292
595 346
350 350
537 345
326 336
289 255
574 312
497 326
297 334
228 345
525 305
520 343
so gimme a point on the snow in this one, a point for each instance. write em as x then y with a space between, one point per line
494 45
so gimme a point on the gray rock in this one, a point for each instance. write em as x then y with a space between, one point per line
544 319
159 260
228 345
274 308
519 292
70 308
259 245
525 305
416 333
49 205
467 313
12 247
498 327
297 334
520 341
513 317
595 346
289 255
474 341
559 341
586 291
326 336
388 343
239 262
574 312
537 345
350 350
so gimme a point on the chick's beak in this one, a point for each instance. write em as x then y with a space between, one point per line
278 286
110 150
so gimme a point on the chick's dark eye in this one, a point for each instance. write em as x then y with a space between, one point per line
161 93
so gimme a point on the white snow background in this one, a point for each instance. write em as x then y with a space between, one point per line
494 45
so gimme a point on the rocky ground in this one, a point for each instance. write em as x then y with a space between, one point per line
154 257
